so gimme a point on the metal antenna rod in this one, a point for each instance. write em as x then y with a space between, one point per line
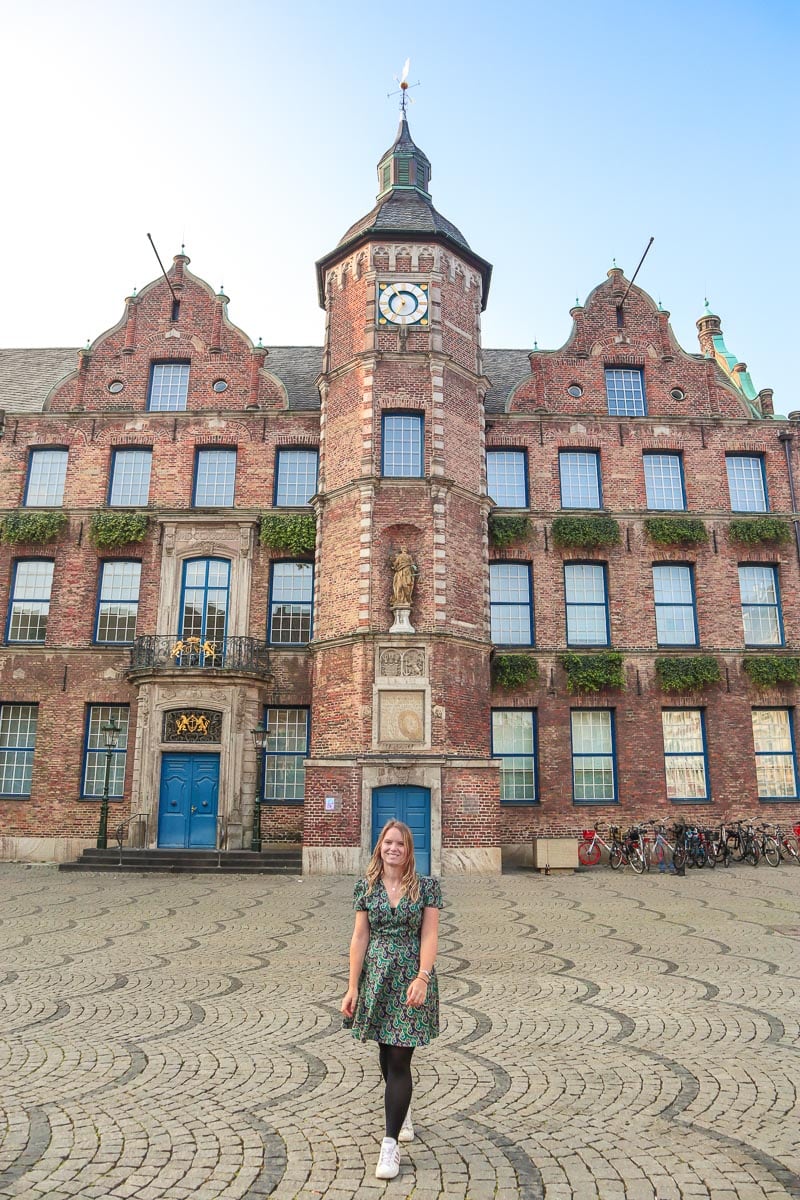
163 272
635 273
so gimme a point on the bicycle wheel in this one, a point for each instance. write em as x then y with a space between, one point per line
736 848
636 860
752 854
789 848
679 858
589 853
711 857
699 855
616 857
772 851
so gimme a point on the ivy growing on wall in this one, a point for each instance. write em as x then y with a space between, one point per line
587 533
676 531
27 528
687 673
110 529
755 531
512 671
768 670
593 672
294 532
503 530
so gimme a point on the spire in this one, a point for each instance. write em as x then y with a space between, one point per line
404 167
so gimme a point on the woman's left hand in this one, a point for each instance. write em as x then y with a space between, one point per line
416 993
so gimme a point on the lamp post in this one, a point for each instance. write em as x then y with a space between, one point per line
111 731
260 738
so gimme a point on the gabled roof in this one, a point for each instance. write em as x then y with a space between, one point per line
27 376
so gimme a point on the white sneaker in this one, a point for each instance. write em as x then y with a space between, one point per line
406 1133
389 1162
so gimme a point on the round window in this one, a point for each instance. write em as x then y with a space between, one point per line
220 385
116 386
575 390
678 394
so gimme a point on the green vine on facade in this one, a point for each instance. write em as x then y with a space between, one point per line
755 531
676 531
687 673
294 532
768 670
511 671
593 672
503 530
111 529
587 533
27 528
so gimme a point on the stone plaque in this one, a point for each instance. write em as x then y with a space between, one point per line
403 663
192 725
402 717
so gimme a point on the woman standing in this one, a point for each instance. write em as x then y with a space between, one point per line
393 996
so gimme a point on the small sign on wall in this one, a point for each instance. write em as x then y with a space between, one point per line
470 805
333 804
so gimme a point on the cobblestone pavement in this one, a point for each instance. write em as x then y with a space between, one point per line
604 1036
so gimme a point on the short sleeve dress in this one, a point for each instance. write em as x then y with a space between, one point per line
390 964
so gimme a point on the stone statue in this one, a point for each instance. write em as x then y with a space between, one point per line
405 574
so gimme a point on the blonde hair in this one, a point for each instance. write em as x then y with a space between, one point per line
410 878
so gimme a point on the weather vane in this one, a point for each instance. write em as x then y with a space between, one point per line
402 79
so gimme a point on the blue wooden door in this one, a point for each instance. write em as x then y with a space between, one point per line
188 800
411 805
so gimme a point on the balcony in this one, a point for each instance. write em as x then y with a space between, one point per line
165 652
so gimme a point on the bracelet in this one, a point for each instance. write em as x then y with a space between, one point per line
426 975
424 980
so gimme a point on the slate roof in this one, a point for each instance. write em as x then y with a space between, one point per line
404 212
27 376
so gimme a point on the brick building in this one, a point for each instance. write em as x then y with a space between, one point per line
500 593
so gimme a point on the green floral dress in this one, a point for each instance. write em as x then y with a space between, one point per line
391 962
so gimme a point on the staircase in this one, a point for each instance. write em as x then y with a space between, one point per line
191 862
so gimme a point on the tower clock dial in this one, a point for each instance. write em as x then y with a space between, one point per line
402 304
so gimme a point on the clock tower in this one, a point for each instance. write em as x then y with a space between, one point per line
401 639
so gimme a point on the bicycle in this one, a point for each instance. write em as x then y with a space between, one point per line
769 846
593 844
742 844
677 852
788 844
630 851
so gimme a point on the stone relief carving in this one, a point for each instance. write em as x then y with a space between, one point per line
393 662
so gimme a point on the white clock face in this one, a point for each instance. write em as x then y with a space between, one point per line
402 304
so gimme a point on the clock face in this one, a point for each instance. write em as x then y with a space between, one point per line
402 304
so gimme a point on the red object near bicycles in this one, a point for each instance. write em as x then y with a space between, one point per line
589 849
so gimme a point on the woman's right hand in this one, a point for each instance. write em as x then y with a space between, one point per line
348 1005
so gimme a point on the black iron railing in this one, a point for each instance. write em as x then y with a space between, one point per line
166 652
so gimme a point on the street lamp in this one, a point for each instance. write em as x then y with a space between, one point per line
260 738
110 731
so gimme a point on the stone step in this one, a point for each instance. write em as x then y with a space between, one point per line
185 868
233 861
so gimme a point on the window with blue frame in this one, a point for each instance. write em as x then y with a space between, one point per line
594 772
285 755
204 611
169 386
30 600
514 743
291 603
586 598
17 743
47 470
747 482
663 481
625 392
402 456
214 478
97 754
761 607
507 477
579 473
511 604
130 478
676 613
685 758
295 477
776 759
118 602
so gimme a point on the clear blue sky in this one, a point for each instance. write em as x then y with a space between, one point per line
560 137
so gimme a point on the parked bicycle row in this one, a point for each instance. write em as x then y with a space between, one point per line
653 844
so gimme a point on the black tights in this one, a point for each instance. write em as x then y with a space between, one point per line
396 1071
